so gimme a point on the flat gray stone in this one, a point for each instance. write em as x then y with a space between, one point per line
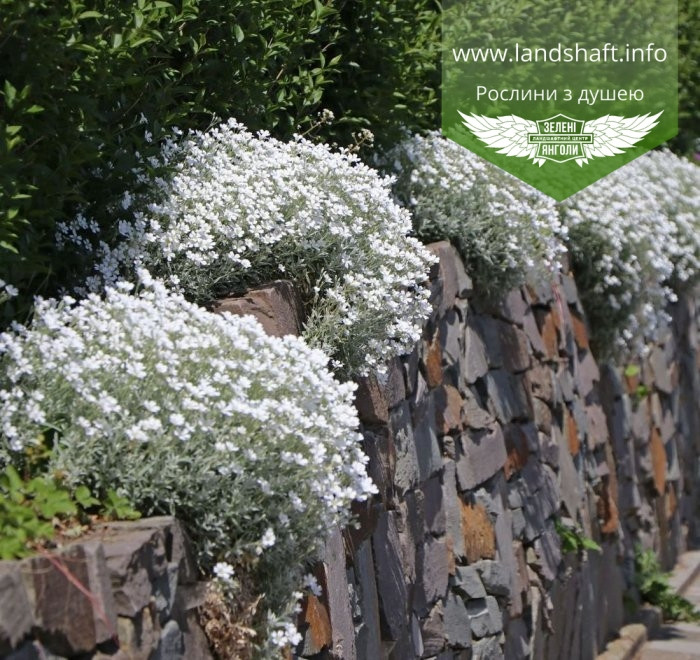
487 649
661 370
393 598
171 645
517 640
407 472
468 583
453 509
513 307
569 481
548 550
480 454
433 630
393 383
485 616
508 400
474 364
450 332
434 507
566 384
342 626
425 436
457 626
432 575
368 639
16 616
494 576
533 335
417 637
475 415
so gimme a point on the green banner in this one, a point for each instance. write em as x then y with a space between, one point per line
560 93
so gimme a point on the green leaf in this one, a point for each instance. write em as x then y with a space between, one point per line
90 14
632 370
84 498
590 544
10 93
237 30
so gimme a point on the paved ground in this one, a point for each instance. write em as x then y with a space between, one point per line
676 641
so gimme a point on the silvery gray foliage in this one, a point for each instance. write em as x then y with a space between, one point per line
249 439
634 237
506 230
241 209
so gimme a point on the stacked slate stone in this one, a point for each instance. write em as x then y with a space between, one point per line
653 416
127 591
492 430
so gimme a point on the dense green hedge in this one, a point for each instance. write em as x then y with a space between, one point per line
84 87
77 80
688 76
390 75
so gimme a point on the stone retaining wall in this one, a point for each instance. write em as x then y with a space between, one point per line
497 429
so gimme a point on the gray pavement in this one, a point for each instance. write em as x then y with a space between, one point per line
676 641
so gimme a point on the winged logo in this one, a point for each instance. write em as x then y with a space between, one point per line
560 138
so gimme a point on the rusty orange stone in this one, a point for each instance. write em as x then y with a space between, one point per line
658 460
315 615
580 332
571 429
479 535
433 361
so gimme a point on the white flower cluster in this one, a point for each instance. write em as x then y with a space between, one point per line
676 185
634 236
239 209
505 230
249 439
7 291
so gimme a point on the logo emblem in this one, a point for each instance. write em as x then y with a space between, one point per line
560 138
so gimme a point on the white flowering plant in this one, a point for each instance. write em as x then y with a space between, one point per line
634 240
248 439
675 182
505 230
238 209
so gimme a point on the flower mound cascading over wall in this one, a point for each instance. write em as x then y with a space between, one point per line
237 209
506 231
634 240
248 439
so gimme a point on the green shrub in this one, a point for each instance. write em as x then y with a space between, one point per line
85 87
688 77
31 510
389 73
655 589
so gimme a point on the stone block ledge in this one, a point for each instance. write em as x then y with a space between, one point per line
124 590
